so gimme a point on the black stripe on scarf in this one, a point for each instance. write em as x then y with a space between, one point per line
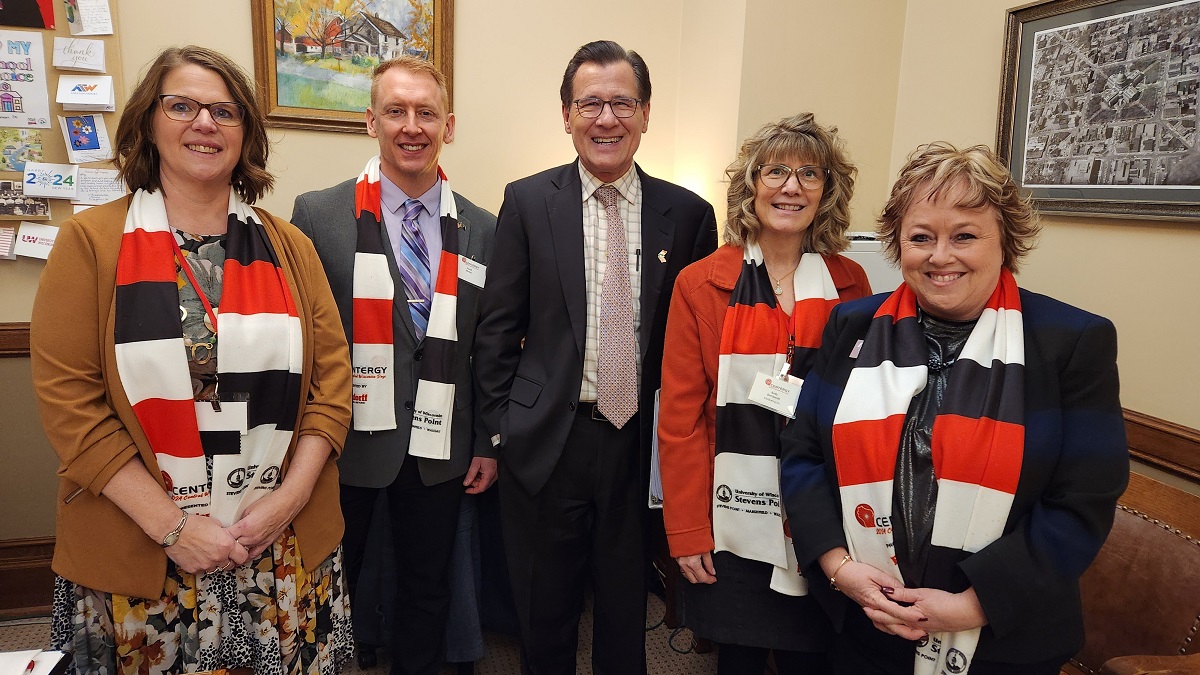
147 310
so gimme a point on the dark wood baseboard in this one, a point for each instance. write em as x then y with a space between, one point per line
26 581
14 339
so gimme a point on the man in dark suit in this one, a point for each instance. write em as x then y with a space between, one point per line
388 241
569 353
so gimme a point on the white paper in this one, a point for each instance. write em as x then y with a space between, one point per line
35 240
654 500
8 241
79 54
23 85
89 17
16 662
98 186
50 180
79 208
86 138
471 272
93 93
776 393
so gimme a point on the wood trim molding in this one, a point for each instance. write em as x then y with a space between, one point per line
1164 445
14 339
26 581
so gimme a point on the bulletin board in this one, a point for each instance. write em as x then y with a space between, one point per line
19 278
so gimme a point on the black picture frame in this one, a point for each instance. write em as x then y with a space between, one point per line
1071 164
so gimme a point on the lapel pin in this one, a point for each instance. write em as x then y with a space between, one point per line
662 256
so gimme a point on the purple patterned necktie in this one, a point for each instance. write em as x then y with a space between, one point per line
616 369
414 267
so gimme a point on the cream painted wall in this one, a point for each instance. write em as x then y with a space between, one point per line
27 483
1142 275
838 60
508 62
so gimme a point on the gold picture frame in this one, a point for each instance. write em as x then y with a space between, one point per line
313 58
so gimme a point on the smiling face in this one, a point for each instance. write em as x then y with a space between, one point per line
410 120
950 256
788 210
200 154
606 144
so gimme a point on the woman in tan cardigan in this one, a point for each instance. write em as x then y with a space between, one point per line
197 518
752 314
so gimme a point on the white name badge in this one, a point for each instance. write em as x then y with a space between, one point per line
775 393
232 416
471 272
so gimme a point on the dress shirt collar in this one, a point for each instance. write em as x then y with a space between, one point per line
625 185
393 197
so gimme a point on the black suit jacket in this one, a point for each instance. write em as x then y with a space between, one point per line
373 459
533 315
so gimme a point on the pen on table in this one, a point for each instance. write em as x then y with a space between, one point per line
29 668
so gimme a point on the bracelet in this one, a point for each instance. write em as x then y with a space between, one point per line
173 535
833 577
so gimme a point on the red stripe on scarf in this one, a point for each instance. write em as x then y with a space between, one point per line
367 198
145 260
999 471
170 426
811 314
753 341
854 468
256 290
447 279
372 321
900 305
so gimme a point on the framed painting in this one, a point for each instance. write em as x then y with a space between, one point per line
313 58
1098 106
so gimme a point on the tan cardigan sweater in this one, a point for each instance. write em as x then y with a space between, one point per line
91 424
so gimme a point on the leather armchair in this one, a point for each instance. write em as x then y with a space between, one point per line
1141 597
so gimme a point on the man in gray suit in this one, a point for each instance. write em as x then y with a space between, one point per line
406 258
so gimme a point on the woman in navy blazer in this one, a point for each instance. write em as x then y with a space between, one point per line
959 446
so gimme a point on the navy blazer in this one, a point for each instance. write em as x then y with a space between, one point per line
1075 466
533 314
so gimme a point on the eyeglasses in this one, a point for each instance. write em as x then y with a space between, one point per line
621 106
184 109
776 175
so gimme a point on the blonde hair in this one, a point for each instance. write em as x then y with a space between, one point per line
795 136
412 64
934 169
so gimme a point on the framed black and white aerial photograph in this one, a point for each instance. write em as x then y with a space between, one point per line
1098 106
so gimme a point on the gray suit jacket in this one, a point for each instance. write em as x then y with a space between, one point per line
373 459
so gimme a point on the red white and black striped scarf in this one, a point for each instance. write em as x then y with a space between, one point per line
978 439
372 355
260 354
747 518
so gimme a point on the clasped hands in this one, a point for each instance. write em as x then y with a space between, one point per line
910 613
205 546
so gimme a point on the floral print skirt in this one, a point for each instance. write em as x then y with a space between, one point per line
271 615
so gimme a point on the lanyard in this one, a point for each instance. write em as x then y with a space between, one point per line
786 370
187 269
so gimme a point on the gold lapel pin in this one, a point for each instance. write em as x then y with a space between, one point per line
662 256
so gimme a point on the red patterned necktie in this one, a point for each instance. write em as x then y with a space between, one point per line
616 371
